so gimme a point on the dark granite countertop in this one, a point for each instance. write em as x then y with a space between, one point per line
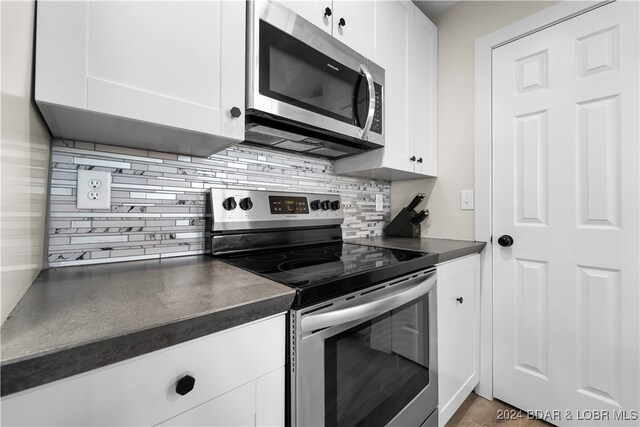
74 319
446 249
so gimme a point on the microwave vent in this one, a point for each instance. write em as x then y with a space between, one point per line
327 152
258 138
277 134
300 146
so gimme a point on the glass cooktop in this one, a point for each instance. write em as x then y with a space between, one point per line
322 272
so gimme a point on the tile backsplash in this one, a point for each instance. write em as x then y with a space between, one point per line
157 199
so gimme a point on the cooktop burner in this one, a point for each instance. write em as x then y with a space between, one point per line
324 271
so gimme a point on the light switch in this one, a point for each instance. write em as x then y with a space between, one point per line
466 200
379 205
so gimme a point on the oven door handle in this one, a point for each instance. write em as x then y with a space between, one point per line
315 322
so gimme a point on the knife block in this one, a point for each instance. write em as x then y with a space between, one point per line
401 226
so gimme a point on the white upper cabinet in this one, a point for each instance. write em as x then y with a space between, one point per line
352 22
355 24
157 75
407 50
318 12
425 87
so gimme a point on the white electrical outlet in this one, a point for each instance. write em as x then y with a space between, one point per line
466 200
379 205
94 189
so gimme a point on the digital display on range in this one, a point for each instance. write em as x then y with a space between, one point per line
288 205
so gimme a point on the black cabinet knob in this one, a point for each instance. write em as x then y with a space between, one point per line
505 240
327 11
315 205
412 158
342 22
246 204
420 160
235 112
335 205
325 205
460 300
185 385
229 203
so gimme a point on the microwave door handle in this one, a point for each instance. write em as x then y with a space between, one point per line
374 308
372 101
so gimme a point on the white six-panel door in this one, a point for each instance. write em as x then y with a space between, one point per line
566 188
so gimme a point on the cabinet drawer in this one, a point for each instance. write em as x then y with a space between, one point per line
235 408
141 391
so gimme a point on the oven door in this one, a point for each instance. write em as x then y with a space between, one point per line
368 358
298 72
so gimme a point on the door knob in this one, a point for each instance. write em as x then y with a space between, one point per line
505 240
327 11
460 300
412 158
342 23
235 112
420 160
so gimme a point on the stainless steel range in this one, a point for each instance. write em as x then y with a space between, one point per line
362 338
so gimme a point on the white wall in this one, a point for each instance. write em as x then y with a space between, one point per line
24 159
458 28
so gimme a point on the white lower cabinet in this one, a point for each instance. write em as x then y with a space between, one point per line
239 380
240 407
458 333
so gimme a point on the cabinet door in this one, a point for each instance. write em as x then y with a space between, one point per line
270 395
313 11
458 333
173 63
360 23
395 56
425 95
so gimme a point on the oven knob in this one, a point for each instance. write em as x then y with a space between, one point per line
229 203
325 205
246 204
335 205
315 205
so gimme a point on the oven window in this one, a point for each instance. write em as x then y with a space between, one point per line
294 73
372 371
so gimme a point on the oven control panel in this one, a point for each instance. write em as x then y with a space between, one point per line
285 205
249 210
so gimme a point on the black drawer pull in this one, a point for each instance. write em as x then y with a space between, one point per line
185 385
460 299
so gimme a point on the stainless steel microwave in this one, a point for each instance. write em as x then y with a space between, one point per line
306 91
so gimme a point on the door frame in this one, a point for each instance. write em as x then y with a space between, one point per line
483 158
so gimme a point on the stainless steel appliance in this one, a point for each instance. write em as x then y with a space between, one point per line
362 328
306 91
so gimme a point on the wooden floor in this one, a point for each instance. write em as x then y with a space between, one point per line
479 412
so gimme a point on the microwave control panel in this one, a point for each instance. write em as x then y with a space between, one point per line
376 126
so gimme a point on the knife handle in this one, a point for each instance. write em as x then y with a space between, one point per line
416 201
